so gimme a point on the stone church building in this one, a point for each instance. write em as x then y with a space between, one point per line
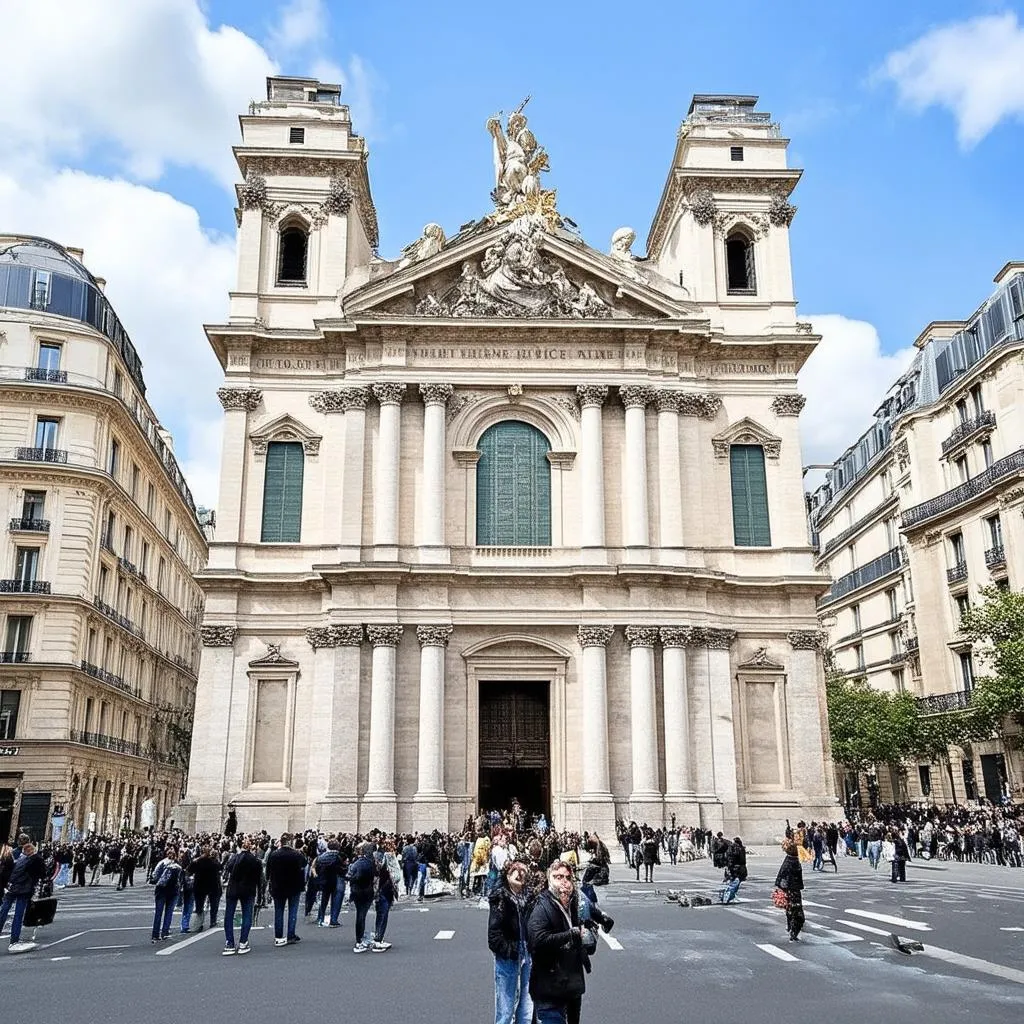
510 516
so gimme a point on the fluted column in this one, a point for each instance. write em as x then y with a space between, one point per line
677 712
592 398
670 487
643 723
435 399
353 402
636 524
381 775
385 479
594 673
433 643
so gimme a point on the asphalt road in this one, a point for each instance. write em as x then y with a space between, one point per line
661 962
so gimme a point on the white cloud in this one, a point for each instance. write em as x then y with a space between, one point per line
844 380
974 68
301 23
151 82
166 277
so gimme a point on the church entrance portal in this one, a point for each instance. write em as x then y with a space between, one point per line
515 746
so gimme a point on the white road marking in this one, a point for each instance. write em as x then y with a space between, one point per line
1013 929
109 947
864 927
610 941
836 936
444 934
775 951
899 922
66 938
974 964
188 942
811 903
54 959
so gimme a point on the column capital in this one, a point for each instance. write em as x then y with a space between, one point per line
384 636
334 636
244 399
591 394
788 405
641 636
326 401
594 636
808 640
353 398
433 636
667 401
636 396
436 394
675 636
715 639
702 405
218 636
389 392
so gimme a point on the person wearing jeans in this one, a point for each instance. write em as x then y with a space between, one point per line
27 872
167 876
386 894
361 874
245 872
286 868
506 939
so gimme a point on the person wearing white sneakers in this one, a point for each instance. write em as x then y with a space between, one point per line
28 869
386 894
361 874
286 877
245 872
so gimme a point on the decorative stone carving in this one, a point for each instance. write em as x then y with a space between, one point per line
703 406
781 211
1012 495
668 401
320 636
433 636
430 243
218 636
348 636
592 394
244 399
636 395
384 636
570 405
463 400
334 636
253 194
514 279
719 639
594 636
788 405
902 452
273 657
760 659
518 164
284 428
746 431
755 223
675 636
808 640
515 392
702 206
622 242
641 636
354 398
326 401
340 196
804 327
389 393
436 394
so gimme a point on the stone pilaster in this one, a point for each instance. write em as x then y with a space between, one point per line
431 798
676 706
636 531
380 797
592 398
670 482
432 507
645 799
385 478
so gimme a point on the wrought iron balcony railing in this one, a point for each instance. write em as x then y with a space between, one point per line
29 525
962 431
108 677
871 571
957 574
937 703
131 569
995 558
24 587
41 373
967 491
113 613
42 455
99 739
913 644
13 657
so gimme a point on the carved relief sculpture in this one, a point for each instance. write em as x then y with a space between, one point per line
702 405
384 636
594 636
430 243
788 405
433 636
781 211
218 636
436 394
592 394
389 393
244 399
641 636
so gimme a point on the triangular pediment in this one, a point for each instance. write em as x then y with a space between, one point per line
285 428
760 659
747 431
273 659
517 270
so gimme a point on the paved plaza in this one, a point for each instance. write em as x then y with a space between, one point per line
734 963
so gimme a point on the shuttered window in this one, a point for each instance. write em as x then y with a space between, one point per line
282 492
513 486
749 496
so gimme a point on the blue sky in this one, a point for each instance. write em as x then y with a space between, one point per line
907 120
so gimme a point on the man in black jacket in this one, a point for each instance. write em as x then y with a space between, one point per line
286 875
245 872
555 939
360 879
29 868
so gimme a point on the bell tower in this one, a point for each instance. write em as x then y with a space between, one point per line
305 215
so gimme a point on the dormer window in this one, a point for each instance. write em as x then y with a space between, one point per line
292 255
739 264
735 153
297 136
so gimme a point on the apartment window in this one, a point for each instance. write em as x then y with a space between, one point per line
963 604
894 642
967 670
167 523
104 574
962 472
976 400
144 560
160 571
282 493
894 608
10 701
90 647
19 629
49 356
118 382
40 289
855 612
113 462
87 722
858 653
26 564
46 432
108 536
995 531
735 153
739 264
892 533
898 683
129 537
986 452
750 523
956 548
886 483
296 136
852 553
33 505
135 481
150 501
142 618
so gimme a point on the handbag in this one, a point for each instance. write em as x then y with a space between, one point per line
42 907
780 899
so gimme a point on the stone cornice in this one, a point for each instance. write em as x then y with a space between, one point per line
594 636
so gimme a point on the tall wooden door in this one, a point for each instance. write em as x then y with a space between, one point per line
514 746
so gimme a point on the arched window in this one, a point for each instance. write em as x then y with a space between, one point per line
739 264
749 496
282 493
513 486
292 253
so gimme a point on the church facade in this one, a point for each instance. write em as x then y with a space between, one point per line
510 516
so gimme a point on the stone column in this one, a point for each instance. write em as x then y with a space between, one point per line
380 791
432 507
594 680
237 403
353 401
635 520
643 725
670 487
430 791
720 724
678 777
385 478
807 725
592 397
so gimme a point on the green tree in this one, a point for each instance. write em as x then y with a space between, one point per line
997 628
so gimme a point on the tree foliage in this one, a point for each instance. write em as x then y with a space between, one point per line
997 627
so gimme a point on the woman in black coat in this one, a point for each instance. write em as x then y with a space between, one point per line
790 880
511 902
